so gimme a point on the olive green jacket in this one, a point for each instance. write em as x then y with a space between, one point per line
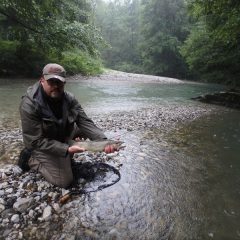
43 132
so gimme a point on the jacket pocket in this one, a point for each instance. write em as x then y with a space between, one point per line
49 128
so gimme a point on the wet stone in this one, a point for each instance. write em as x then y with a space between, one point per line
15 218
2 207
47 213
23 204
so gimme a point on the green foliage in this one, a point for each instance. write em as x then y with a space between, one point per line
8 58
119 22
221 18
164 29
129 67
212 48
77 61
144 36
44 29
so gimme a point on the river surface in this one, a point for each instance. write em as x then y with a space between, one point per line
183 184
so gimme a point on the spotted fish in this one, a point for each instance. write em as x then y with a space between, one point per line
98 146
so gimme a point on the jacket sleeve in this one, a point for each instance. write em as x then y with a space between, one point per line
32 132
85 124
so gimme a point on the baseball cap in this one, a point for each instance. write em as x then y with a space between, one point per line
54 70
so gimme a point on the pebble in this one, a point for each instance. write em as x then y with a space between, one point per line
22 204
31 213
56 207
15 218
9 190
114 234
2 207
2 201
210 235
47 212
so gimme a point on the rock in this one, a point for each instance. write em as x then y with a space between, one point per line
4 176
9 190
44 195
3 185
229 98
20 235
56 207
210 235
112 155
5 221
47 213
6 233
7 213
2 207
31 213
23 204
16 170
114 234
2 201
64 191
15 218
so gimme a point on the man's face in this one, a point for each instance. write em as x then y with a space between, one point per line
53 87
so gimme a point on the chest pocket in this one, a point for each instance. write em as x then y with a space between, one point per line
50 128
71 122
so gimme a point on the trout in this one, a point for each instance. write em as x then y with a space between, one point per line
98 146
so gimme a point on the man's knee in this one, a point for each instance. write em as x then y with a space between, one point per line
60 175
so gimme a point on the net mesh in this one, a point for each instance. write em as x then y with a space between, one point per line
93 176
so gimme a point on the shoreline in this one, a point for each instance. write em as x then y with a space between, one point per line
114 75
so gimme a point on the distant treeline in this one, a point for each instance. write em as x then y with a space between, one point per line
191 39
187 39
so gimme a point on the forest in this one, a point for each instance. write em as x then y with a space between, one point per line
187 39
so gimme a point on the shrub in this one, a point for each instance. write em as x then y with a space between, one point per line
77 61
8 58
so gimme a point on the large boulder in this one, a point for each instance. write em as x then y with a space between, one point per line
230 98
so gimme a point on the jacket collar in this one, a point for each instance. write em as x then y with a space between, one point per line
35 94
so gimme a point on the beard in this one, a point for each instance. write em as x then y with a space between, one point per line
56 94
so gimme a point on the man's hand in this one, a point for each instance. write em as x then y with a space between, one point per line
110 148
75 149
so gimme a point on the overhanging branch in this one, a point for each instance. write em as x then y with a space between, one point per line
16 20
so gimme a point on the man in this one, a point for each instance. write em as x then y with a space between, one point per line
51 117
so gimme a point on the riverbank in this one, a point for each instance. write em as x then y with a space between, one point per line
28 204
113 75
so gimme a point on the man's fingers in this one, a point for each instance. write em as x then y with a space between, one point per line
110 149
75 149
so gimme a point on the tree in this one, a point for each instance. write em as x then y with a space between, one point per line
212 49
164 28
119 22
48 27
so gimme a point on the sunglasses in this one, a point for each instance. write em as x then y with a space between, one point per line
55 82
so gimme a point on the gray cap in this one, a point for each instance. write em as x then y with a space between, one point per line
53 70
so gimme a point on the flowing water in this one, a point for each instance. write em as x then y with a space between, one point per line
181 185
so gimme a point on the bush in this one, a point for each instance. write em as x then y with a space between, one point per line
21 59
77 61
8 58
128 67
27 60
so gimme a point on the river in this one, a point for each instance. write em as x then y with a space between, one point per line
176 183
